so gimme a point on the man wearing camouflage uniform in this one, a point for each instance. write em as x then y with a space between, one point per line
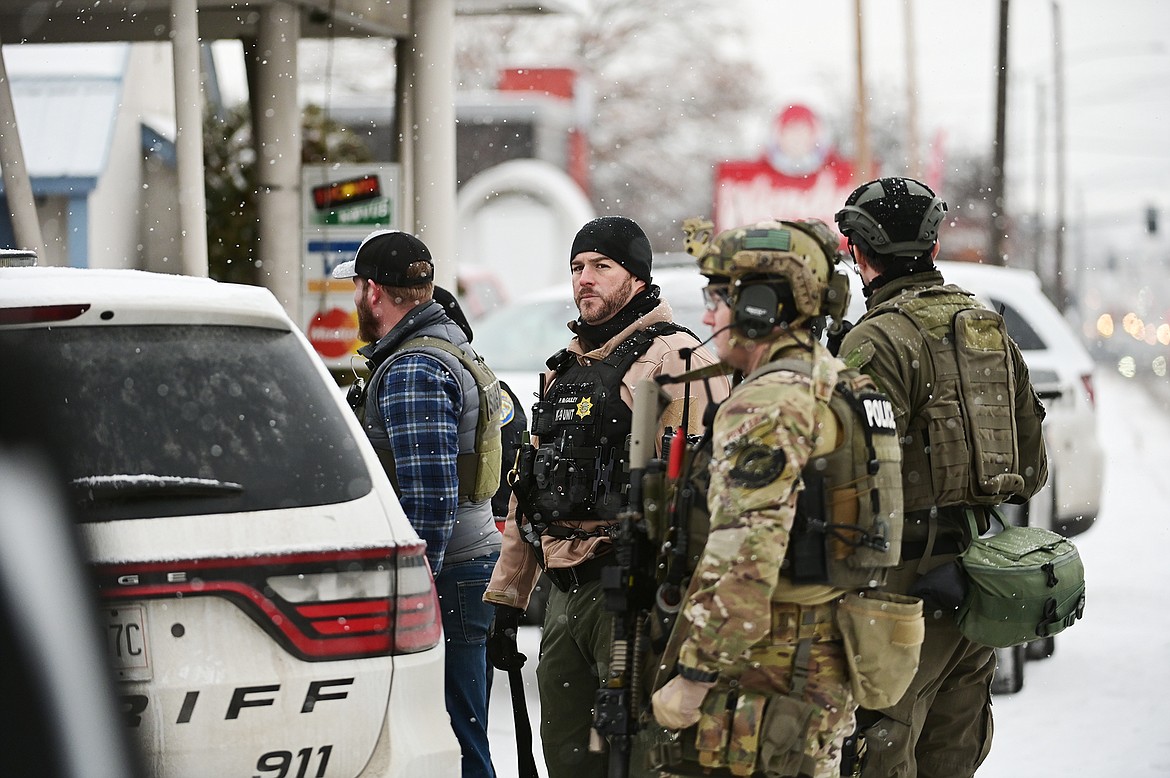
761 667
907 341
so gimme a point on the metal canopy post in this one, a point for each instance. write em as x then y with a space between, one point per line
432 52
278 154
17 186
189 137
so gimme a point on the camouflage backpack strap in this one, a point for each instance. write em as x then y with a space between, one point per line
822 388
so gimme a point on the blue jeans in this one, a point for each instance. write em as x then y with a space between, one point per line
465 624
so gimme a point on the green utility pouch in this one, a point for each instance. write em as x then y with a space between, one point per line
883 634
1025 583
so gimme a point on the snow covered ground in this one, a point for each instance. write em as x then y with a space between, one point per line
1100 706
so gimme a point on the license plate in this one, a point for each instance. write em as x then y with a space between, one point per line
126 637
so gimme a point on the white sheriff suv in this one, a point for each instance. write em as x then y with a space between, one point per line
268 608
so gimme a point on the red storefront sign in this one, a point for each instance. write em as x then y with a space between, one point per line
799 176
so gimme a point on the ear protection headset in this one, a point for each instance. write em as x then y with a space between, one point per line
754 314
759 305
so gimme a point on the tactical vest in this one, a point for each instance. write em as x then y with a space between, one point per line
479 459
580 470
965 439
846 534
848 526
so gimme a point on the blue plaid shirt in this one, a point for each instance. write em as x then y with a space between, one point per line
421 403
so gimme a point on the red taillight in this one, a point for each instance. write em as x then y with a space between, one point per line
370 618
417 626
319 606
42 313
1087 380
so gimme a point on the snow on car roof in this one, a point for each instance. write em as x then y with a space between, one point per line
137 296
986 274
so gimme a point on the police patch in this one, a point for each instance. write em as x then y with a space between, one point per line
758 465
879 413
507 410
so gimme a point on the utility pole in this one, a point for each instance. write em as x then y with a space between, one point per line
998 217
861 125
914 158
1058 286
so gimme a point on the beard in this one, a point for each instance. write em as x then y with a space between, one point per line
602 307
367 323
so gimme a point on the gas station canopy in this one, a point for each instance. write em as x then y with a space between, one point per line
89 21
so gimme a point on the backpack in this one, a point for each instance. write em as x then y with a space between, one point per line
970 423
1024 583
479 471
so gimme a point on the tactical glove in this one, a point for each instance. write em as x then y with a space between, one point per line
502 651
676 705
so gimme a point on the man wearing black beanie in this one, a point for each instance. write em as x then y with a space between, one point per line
563 525
618 238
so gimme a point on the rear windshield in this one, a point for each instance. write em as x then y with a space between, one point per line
188 420
1018 328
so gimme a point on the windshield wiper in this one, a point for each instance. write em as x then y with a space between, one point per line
102 488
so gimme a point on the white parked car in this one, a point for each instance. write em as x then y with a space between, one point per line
268 608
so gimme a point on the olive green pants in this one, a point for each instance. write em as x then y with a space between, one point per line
942 727
574 661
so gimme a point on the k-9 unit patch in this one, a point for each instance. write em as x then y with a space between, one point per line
574 404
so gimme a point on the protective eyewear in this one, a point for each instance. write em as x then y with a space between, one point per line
714 295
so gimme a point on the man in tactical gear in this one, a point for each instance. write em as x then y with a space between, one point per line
572 480
432 411
919 339
796 487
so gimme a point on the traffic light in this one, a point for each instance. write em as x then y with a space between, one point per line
1151 219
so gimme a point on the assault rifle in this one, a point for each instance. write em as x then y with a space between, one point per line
529 474
644 588
681 539
628 585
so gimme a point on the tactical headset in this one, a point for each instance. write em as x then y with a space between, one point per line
757 310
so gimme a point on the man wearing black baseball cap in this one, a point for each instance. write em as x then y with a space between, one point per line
564 512
432 411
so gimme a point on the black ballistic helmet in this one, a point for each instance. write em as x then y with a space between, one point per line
894 217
